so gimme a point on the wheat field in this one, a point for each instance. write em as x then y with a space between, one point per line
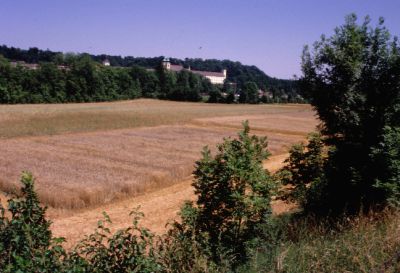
89 154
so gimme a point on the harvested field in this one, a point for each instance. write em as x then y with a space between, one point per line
91 161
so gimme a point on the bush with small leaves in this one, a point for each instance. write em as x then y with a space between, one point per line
26 243
304 171
233 196
127 250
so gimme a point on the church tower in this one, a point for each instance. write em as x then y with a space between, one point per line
166 64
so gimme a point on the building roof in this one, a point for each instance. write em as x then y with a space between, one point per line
24 64
208 73
176 68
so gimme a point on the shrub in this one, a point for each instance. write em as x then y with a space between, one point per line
127 250
386 156
26 243
304 172
233 196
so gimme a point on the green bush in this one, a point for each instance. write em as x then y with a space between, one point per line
304 172
233 197
127 250
26 243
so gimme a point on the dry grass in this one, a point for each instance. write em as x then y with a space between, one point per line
90 154
368 243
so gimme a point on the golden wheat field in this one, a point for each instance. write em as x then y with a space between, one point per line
89 158
88 154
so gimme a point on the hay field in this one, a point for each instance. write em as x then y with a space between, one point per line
91 154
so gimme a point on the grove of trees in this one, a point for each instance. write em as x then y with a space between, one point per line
146 79
84 80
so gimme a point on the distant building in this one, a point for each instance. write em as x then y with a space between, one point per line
34 66
214 77
24 64
106 62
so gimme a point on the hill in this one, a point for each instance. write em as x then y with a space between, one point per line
237 72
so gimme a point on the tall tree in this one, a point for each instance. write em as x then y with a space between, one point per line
353 81
249 93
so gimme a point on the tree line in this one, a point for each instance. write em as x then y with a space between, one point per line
78 78
238 74
84 80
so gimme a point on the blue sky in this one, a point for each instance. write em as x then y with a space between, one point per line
269 34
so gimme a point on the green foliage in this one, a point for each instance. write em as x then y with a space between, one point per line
215 96
249 93
84 80
149 82
187 87
352 79
387 157
26 243
128 250
184 249
304 171
233 193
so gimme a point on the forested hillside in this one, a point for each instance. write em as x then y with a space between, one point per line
238 74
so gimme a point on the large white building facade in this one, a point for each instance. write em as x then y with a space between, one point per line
214 77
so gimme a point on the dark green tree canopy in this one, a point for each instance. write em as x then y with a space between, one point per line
249 93
237 72
353 81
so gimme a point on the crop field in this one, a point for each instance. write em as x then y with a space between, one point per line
89 158
52 119
89 154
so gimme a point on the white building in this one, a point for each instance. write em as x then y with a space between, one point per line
106 62
214 77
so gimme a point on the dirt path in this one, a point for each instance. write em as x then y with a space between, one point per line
159 207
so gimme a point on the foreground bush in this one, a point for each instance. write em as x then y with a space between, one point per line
233 195
26 243
288 243
304 173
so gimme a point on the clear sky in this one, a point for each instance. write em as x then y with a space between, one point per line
269 34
